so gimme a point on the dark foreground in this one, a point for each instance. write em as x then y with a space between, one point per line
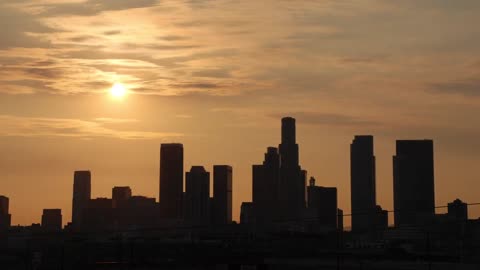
232 251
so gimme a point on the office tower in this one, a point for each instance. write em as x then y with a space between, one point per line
265 186
137 212
171 180
362 176
458 211
291 187
120 195
413 183
5 217
81 196
197 196
99 215
222 194
52 220
323 202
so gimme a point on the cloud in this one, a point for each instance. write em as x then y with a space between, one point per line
466 87
112 32
213 73
198 85
17 29
82 38
109 120
63 127
44 73
94 7
172 38
25 86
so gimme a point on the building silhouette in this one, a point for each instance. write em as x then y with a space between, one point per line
287 224
380 220
322 203
120 195
260 189
265 186
291 186
171 180
52 220
458 211
98 215
413 182
197 196
222 194
247 213
362 176
5 217
136 212
340 226
279 183
81 196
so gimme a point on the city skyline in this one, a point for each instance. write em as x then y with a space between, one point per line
274 188
81 88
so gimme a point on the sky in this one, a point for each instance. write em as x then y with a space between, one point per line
218 76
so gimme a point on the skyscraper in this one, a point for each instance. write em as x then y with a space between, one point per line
265 186
5 217
52 220
197 196
323 202
291 188
362 176
81 196
98 215
171 180
413 183
222 194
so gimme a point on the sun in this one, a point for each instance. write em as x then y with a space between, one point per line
118 90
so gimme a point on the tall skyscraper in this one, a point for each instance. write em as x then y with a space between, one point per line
81 196
265 186
362 176
222 194
5 217
413 183
197 196
171 180
52 220
291 188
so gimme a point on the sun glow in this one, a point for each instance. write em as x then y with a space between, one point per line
118 90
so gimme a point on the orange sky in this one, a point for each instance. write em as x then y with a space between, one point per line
218 76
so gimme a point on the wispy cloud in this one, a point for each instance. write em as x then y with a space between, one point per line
63 127
93 7
467 87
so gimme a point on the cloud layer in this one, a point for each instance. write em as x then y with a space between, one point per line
14 126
